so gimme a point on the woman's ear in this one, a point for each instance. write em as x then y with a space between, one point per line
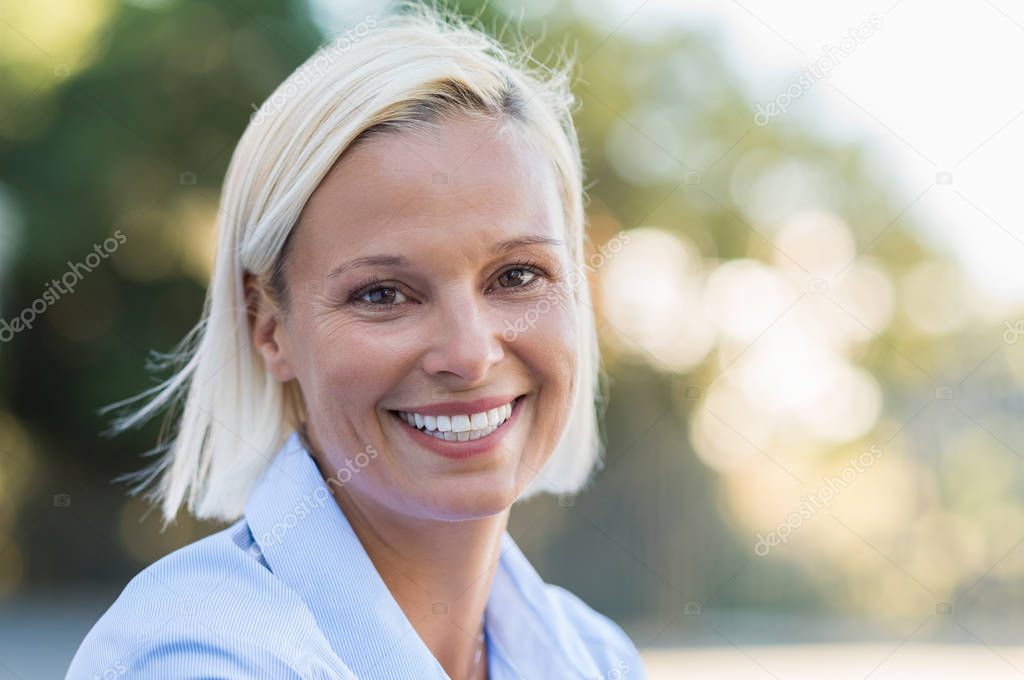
266 328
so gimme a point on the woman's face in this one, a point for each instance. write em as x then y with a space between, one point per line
447 307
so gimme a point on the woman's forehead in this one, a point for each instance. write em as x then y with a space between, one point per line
464 158
483 186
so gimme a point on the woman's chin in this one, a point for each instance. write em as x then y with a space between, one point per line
464 500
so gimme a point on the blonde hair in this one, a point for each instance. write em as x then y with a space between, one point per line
386 75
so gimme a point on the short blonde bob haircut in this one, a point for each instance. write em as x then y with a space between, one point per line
387 74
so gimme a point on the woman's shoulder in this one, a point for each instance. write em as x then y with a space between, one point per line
212 605
606 641
559 621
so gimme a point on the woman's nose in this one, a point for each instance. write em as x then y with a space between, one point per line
466 335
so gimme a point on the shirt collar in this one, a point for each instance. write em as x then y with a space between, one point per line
308 543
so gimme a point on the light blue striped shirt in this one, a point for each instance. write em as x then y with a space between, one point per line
288 591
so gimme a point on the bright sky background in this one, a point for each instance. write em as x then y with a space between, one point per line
936 88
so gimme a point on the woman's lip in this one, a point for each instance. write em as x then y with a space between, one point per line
453 408
459 450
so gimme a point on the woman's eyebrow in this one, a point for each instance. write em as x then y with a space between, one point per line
400 261
379 260
533 240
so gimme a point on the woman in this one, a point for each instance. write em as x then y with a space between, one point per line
397 345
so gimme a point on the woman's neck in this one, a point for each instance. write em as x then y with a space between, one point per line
439 572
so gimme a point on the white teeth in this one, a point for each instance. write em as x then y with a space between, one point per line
462 436
461 427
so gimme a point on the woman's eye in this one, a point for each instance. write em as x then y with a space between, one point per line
515 277
381 296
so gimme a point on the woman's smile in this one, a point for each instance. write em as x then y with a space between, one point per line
461 429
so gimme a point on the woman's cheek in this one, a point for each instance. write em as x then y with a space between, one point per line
550 351
345 352
555 330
